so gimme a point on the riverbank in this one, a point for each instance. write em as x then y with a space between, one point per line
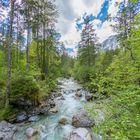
66 118
116 117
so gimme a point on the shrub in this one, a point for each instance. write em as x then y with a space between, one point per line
24 87
7 114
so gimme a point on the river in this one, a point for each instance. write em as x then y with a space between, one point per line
49 127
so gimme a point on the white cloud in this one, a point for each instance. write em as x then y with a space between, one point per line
72 37
82 6
113 8
70 10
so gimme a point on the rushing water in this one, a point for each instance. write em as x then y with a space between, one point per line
48 125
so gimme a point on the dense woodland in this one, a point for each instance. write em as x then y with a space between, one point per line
114 74
30 60
30 63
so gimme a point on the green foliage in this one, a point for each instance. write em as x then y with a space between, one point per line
114 78
121 116
7 113
46 87
120 80
86 55
24 87
2 65
67 64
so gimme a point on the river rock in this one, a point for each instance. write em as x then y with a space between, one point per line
42 128
78 94
63 121
30 132
33 119
52 103
59 94
80 134
82 120
89 97
7 130
79 89
53 110
21 117
44 110
61 98
59 82
34 111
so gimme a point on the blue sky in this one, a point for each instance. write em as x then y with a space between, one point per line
102 16
97 10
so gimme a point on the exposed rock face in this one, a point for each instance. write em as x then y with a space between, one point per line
82 120
110 43
7 130
80 134
30 132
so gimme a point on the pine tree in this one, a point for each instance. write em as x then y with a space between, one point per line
87 45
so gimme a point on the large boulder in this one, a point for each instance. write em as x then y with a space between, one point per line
7 130
30 132
80 134
82 120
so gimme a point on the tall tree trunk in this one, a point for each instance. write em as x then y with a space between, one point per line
37 52
44 52
17 48
27 51
47 61
9 47
47 57
28 37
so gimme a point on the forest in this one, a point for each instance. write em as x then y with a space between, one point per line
33 57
